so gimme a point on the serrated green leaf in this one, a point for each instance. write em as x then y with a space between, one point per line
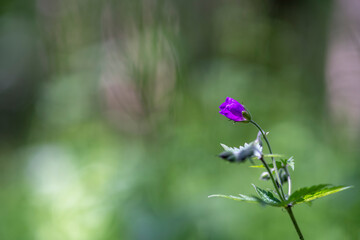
289 162
241 197
300 193
324 192
278 165
267 197
308 194
292 164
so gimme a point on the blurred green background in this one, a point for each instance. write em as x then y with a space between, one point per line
110 128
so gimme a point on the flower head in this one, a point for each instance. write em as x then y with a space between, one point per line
233 110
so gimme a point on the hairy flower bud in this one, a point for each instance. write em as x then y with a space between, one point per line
241 154
283 175
245 153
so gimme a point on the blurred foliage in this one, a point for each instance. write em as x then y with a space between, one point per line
110 126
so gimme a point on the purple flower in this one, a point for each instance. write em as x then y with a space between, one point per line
233 110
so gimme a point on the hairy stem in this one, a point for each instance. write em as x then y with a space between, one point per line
271 176
291 214
272 158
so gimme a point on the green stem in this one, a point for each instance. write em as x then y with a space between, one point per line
272 158
277 187
271 176
291 214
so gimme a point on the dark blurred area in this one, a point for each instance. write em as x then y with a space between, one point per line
110 128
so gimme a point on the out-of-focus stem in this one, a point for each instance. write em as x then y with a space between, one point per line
291 214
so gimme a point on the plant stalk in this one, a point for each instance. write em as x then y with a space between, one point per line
291 214
271 176
272 158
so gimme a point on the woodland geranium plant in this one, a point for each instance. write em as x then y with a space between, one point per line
277 169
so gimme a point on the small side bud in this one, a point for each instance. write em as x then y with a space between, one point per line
283 175
265 176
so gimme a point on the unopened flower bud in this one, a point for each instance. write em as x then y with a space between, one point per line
233 110
283 175
265 176
245 153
